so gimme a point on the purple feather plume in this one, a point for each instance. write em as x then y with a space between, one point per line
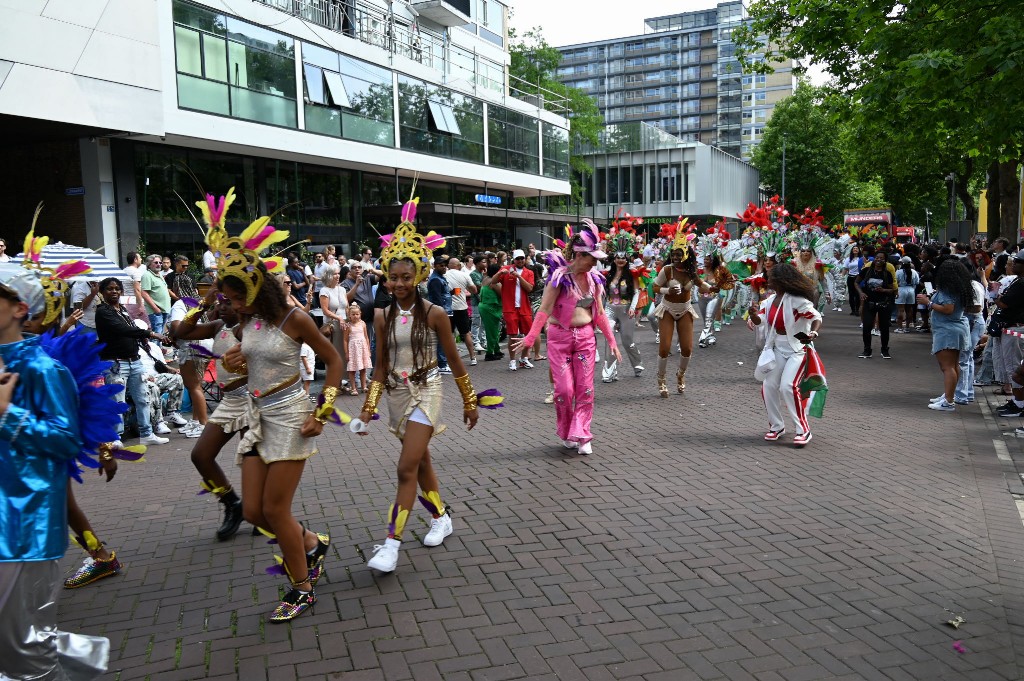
202 351
276 570
190 302
433 510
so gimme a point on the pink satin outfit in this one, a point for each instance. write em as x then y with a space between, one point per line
572 351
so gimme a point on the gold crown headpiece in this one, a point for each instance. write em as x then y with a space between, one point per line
408 244
681 241
53 280
239 256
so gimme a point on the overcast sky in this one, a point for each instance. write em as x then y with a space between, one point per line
566 22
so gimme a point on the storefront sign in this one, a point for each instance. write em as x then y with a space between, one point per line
487 198
74 191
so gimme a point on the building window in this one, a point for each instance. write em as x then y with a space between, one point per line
230 67
513 140
435 120
556 151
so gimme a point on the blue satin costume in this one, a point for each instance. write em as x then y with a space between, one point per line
34 467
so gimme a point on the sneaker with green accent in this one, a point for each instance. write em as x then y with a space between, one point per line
93 570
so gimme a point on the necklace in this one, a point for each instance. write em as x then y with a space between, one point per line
405 313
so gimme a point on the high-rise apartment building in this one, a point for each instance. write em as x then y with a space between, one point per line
683 77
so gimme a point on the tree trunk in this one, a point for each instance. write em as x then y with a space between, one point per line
970 206
992 223
1009 200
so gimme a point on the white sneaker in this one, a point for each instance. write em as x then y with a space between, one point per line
472 362
479 348
936 399
637 371
570 444
117 444
385 557
439 529
188 426
942 405
525 363
513 365
585 448
153 439
176 419
194 432
876 332
161 429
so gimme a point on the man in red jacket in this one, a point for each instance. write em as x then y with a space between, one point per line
516 283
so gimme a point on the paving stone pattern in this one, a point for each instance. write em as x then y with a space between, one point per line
685 547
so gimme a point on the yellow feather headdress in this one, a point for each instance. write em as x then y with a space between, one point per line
408 244
53 280
240 256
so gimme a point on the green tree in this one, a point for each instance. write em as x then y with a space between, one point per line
816 167
535 63
943 77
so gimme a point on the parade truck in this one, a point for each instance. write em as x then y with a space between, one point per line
881 218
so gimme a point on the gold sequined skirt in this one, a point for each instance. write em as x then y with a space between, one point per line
405 398
273 425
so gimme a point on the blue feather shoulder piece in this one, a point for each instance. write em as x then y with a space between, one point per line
99 412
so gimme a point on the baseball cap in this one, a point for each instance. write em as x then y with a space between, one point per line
518 253
906 260
1019 256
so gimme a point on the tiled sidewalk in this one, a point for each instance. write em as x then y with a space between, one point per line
685 547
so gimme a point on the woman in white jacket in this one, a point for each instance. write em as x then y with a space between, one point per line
793 321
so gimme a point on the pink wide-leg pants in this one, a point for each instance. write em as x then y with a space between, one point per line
571 353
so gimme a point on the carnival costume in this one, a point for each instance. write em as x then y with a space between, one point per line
721 281
681 238
414 391
627 296
785 382
810 240
276 407
57 418
572 350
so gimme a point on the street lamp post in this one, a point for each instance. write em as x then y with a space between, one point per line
783 170
927 223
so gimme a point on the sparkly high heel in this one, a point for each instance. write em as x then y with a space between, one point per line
662 387
680 381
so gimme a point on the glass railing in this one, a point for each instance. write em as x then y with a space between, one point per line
378 27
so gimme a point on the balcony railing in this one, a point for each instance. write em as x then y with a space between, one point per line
399 36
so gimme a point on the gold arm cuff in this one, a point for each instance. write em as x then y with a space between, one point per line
373 397
330 393
469 398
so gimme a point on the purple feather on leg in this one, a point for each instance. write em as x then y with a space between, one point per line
276 570
394 520
429 506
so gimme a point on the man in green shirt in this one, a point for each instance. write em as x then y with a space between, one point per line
154 294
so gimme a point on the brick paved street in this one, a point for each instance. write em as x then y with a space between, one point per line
685 547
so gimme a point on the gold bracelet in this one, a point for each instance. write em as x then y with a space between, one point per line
106 452
373 397
326 408
469 398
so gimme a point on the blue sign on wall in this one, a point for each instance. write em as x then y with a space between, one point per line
74 191
486 198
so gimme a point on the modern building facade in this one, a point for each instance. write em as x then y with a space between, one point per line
652 174
683 77
115 112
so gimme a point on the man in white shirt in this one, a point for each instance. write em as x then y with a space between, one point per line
320 267
134 297
460 284
209 260
84 297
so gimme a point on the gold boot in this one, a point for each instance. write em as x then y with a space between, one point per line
662 387
680 381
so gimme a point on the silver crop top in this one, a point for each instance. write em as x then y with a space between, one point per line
272 355
222 342
401 351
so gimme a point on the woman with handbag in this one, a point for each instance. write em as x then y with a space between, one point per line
334 303
793 322
877 286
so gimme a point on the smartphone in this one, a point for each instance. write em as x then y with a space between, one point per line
802 337
928 288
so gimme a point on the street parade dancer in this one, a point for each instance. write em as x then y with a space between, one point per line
627 296
53 417
573 303
721 281
675 282
408 333
280 431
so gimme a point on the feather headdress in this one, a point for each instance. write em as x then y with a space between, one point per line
239 256
54 281
408 244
